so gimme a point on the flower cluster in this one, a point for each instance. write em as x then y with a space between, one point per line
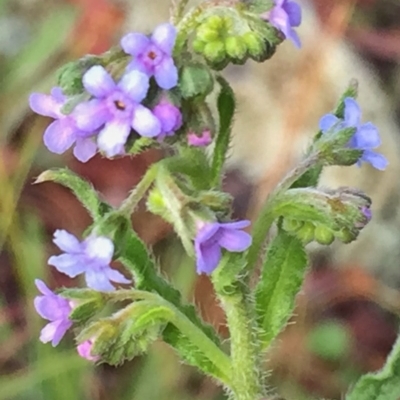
365 138
91 257
284 16
115 108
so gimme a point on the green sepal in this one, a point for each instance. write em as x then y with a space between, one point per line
310 178
138 144
383 385
70 75
281 279
226 109
82 189
86 303
127 333
195 80
135 257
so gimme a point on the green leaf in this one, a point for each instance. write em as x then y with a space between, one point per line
82 189
310 178
134 255
281 279
383 385
226 108
195 80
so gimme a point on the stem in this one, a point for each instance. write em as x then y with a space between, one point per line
247 380
266 218
130 203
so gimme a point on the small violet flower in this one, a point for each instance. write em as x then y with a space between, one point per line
54 308
153 56
285 15
211 236
199 141
116 109
91 257
170 118
62 133
84 349
366 137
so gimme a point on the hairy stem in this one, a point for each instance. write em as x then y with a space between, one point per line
130 203
247 382
266 218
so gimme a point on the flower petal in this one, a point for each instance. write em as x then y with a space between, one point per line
135 43
367 137
377 160
60 331
46 105
99 249
69 264
166 74
234 240
115 276
42 287
113 137
91 115
236 225
206 232
327 122
59 136
138 65
294 37
293 11
98 82
52 307
164 37
85 149
144 122
135 84
48 332
280 20
98 280
208 259
352 112
67 242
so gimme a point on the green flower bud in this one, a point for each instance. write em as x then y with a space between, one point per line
205 34
292 225
215 22
235 47
324 235
306 233
198 46
215 52
345 235
255 45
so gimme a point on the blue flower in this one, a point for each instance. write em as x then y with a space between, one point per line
116 109
153 56
91 257
284 16
54 308
211 236
62 133
366 137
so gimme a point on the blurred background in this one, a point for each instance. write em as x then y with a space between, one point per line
347 314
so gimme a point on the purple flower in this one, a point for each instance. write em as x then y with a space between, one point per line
170 118
284 16
366 137
91 257
84 349
199 141
116 109
62 133
54 308
211 236
153 56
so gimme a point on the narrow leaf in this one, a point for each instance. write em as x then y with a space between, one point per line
226 109
383 385
281 279
82 189
134 255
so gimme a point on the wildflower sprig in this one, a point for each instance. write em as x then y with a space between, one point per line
165 90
